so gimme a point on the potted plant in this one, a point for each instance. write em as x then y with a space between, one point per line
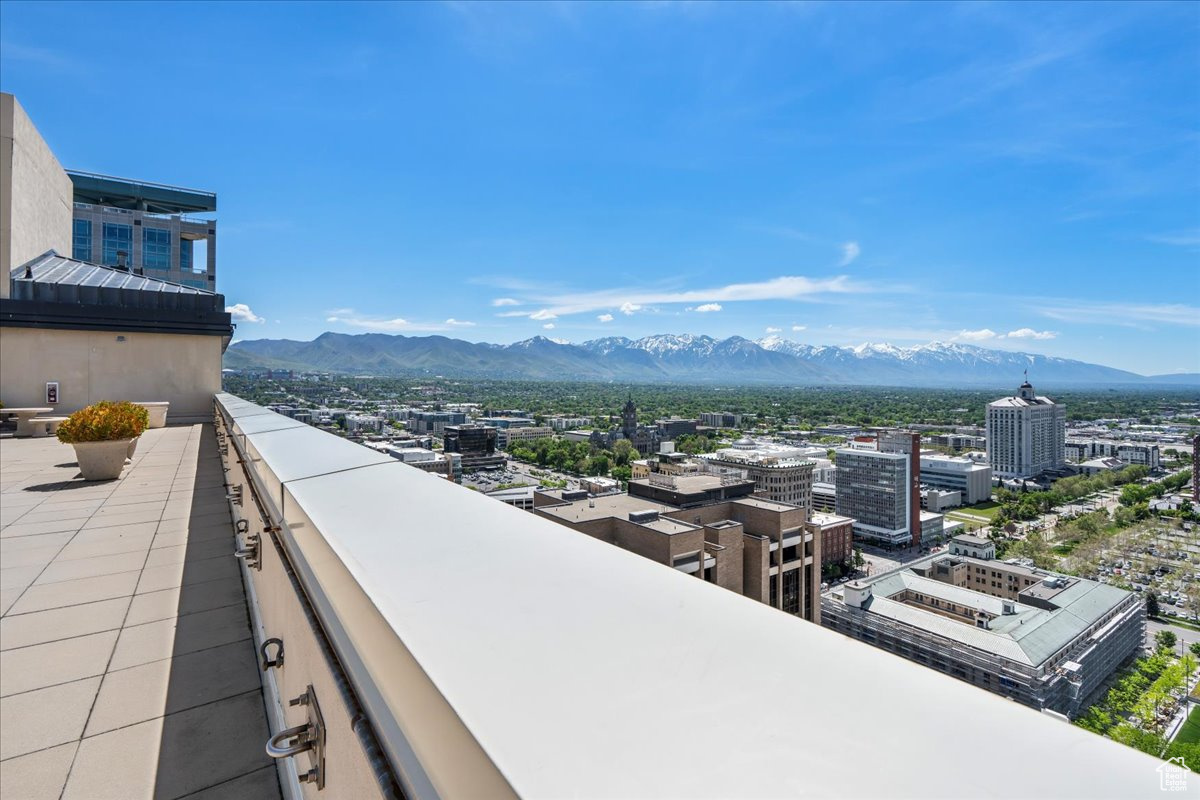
103 435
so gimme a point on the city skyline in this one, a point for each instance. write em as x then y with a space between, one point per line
1026 180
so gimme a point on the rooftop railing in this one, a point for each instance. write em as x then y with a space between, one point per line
422 640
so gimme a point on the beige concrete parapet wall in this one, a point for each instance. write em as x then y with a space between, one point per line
89 366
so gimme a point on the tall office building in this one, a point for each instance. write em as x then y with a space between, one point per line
1026 434
908 444
147 222
875 490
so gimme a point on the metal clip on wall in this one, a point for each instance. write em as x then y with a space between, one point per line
267 661
306 738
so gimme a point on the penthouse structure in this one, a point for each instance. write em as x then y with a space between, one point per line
1045 640
708 526
144 227
779 473
1026 434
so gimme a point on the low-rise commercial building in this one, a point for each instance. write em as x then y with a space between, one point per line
973 479
475 443
720 419
836 534
506 437
1048 641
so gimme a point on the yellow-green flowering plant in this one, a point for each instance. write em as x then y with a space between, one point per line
105 421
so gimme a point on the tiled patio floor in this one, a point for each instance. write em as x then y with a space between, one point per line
126 664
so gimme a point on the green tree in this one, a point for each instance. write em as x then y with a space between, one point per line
1152 607
1195 648
1165 640
859 560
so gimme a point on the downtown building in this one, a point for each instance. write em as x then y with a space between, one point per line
1045 640
708 526
475 444
1026 434
779 473
880 489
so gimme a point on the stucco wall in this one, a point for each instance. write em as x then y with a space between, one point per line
89 366
36 196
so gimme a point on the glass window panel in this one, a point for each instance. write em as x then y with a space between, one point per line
117 237
81 240
156 248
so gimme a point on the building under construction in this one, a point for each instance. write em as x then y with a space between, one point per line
1046 640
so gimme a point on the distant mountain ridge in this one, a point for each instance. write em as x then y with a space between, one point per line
677 358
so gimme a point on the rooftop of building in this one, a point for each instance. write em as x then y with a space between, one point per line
1020 402
124 628
972 540
53 291
602 507
765 504
129 193
669 526
1027 635
825 519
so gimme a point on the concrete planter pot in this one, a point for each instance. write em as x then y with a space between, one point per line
158 413
102 461
132 447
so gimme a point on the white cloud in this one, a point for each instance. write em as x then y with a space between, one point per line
707 307
628 301
774 330
981 335
349 318
798 328
549 326
1030 333
605 317
505 301
242 313
1190 238
455 323
544 313
1100 311
850 251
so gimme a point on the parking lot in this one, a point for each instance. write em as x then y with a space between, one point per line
514 472
1155 557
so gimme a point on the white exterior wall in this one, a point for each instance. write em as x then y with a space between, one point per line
1025 439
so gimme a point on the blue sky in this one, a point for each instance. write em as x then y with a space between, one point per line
1015 176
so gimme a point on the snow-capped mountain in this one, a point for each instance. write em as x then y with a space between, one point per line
674 357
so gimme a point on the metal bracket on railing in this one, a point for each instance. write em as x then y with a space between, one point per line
251 552
243 525
267 661
306 738
235 495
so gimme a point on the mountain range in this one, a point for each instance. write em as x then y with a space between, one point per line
677 358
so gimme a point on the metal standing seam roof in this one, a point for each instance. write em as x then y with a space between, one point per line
1030 636
54 278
